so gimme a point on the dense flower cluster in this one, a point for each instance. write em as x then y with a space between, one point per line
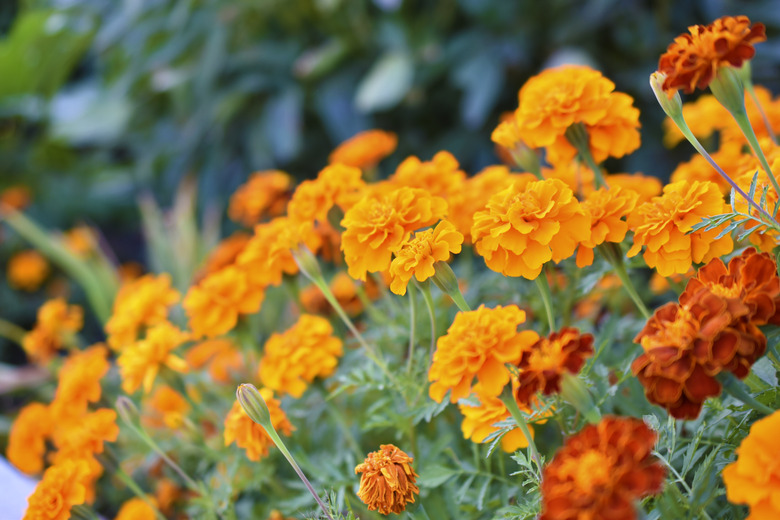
387 482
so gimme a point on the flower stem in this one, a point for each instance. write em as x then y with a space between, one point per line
510 402
128 481
412 326
12 331
735 388
747 129
767 124
544 290
577 135
609 251
428 299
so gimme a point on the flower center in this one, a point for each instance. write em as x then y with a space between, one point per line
549 356
588 471
726 292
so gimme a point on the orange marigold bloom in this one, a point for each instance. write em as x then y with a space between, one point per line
365 150
79 380
80 240
265 194
214 305
27 439
441 176
379 225
478 344
556 99
83 436
225 254
387 482
56 325
752 479
337 185
140 362
140 303
15 197
606 208
250 436
692 60
543 363
293 359
60 489
136 509
168 408
221 356
417 257
664 226
27 270
525 226
602 471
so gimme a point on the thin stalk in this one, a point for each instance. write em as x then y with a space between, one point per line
578 137
428 299
620 270
747 129
544 290
511 404
137 491
767 124
12 332
164 456
412 327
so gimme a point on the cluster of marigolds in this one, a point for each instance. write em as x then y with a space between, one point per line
400 233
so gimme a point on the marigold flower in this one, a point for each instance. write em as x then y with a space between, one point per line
79 380
136 509
140 362
365 150
752 478
140 303
441 176
416 257
387 482
60 489
250 436
225 254
664 226
337 185
15 197
379 225
265 194
83 435
692 60
525 226
602 471
80 240
293 359
478 344
556 99
221 356
606 209
543 363
27 270
57 323
214 305
168 408
27 439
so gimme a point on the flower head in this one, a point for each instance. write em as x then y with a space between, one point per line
224 255
249 435
416 257
365 150
692 60
337 185
607 209
27 439
136 509
140 362
15 197
220 355
387 482
168 408
27 270
295 358
478 344
81 436
60 489
265 194
601 471
441 176
79 379
57 323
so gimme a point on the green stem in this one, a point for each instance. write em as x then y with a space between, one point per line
744 125
412 327
544 290
12 332
144 436
137 491
428 299
608 250
578 137
460 301
511 404
767 124
735 388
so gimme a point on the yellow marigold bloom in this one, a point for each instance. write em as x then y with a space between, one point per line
441 176
140 303
387 482
730 157
79 380
664 225
57 323
558 98
265 194
60 489
167 408
365 150
293 359
336 185
140 362
377 226
606 208
524 227
250 436
80 240
27 439
136 509
213 306
417 257
15 197
225 254
752 479
478 344
83 435
27 270
221 356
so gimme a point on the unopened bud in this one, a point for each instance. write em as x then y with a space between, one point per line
672 105
307 263
254 405
728 89
127 410
445 278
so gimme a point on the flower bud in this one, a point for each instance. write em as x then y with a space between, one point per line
307 263
127 410
728 89
254 405
671 104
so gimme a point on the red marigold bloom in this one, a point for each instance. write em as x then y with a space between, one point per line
601 472
365 150
387 482
692 60
544 362
265 193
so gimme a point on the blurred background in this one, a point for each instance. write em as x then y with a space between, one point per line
105 101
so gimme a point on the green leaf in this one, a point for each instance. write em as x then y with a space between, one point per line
436 475
386 83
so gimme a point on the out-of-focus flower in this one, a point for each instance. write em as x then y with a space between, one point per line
661 284
15 197
601 472
80 240
136 509
692 60
543 363
60 489
79 380
83 435
478 344
525 226
365 150
664 226
730 157
337 185
27 270
27 439
441 176
379 225
167 408
220 356
141 303
225 254
296 357
57 323
387 482
416 257
752 478
250 436
265 194
606 209
166 493
646 186
140 362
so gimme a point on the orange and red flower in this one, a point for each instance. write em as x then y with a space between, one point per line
387 482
